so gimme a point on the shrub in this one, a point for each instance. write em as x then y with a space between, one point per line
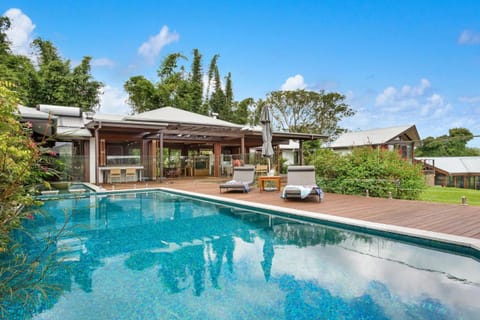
379 171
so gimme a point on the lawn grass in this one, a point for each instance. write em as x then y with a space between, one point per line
451 195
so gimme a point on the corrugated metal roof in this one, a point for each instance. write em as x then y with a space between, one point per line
454 165
373 137
170 114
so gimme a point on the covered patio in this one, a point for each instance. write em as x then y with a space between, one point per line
158 144
170 142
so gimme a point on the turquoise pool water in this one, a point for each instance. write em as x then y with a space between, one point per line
158 255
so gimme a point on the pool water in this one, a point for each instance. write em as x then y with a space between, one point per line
159 255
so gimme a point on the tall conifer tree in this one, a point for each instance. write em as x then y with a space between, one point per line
197 84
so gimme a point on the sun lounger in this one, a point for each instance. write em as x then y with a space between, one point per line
301 183
243 178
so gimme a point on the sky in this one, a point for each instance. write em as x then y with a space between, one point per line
396 62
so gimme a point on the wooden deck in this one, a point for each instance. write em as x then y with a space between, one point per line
457 220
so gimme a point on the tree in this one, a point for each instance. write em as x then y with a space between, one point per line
241 114
309 111
170 79
197 84
4 43
452 145
59 85
53 81
84 90
142 94
16 69
217 101
229 115
20 71
181 89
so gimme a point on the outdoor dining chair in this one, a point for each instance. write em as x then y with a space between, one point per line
115 174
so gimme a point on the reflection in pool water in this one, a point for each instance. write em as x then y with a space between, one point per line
156 255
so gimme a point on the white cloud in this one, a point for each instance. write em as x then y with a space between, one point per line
469 37
103 62
412 102
416 91
113 101
472 100
403 98
407 104
386 97
20 31
431 112
435 107
152 48
294 83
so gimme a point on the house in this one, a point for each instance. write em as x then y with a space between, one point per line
400 138
460 172
165 142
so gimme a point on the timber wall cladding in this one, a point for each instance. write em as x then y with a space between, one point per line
103 158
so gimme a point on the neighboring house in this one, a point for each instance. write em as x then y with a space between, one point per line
401 138
164 142
460 172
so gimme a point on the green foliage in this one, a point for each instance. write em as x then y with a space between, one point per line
142 94
379 171
20 71
197 84
24 281
309 111
53 81
4 43
455 144
183 90
229 103
283 166
19 170
217 101
59 85
241 111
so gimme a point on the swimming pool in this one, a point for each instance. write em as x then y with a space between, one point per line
162 255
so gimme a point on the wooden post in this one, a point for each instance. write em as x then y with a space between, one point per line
217 152
161 155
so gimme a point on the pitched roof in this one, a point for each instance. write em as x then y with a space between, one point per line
376 136
454 165
170 114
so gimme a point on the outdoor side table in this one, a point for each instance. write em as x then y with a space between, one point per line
275 179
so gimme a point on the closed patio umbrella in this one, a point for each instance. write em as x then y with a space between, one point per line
266 120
